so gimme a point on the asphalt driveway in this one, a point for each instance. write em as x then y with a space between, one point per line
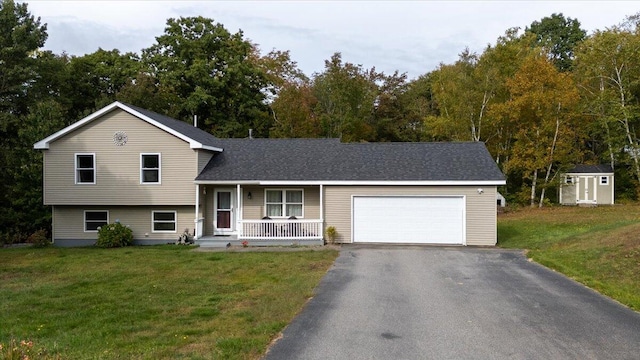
395 302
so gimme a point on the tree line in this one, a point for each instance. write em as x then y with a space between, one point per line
542 98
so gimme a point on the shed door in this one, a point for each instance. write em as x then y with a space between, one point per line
586 189
408 219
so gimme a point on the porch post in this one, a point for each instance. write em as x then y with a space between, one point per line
322 212
239 210
195 221
322 203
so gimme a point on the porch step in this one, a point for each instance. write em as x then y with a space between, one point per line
221 243
217 241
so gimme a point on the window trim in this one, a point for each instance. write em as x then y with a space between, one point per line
175 221
606 180
142 182
95 172
284 202
85 219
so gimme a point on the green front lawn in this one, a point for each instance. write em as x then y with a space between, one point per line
161 302
599 247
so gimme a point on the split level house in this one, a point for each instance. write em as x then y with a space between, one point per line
161 176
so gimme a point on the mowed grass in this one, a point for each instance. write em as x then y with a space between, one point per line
163 302
599 247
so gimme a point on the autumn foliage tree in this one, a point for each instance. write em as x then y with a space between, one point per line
542 108
608 69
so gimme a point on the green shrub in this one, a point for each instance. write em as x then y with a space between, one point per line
4 239
114 235
12 237
331 234
39 239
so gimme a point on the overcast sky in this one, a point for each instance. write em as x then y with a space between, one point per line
409 36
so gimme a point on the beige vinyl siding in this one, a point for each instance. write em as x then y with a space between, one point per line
604 191
69 221
203 159
254 209
480 208
118 167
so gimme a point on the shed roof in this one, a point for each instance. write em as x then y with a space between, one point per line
591 169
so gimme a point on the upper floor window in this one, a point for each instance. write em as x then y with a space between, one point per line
85 168
604 180
150 170
568 180
284 203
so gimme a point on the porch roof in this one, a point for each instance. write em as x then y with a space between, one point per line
330 160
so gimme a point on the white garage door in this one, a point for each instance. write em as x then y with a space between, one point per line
408 219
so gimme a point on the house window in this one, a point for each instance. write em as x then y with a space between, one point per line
604 180
284 203
150 169
164 221
85 168
568 180
93 219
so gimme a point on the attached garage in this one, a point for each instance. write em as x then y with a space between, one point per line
409 219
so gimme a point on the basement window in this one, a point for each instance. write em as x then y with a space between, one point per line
94 219
164 221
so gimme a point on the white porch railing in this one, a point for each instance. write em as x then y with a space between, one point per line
280 229
199 227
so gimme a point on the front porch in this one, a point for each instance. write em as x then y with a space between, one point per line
260 215
267 232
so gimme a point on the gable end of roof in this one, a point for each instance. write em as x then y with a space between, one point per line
197 139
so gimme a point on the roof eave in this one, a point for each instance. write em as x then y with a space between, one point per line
197 145
359 182
588 173
44 143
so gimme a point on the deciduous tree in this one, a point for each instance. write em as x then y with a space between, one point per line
21 35
346 96
559 36
608 67
542 109
211 73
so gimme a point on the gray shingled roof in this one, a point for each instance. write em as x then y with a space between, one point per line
591 169
331 160
182 127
